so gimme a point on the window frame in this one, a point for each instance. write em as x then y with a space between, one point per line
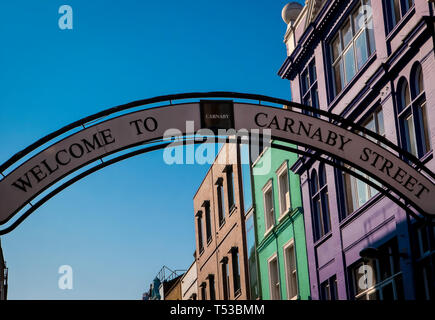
273 258
310 91
200 232
414 111
212 287
390 12
268 225
225 278
331 286
235 264
203 287
221 201
380 283
321 196
229 175
350 182
208 222
355 35
283 169
291 245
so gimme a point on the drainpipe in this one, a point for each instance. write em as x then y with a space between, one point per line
254 215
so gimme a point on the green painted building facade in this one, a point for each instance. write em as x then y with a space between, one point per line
279 227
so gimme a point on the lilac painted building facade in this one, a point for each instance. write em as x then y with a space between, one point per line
372 62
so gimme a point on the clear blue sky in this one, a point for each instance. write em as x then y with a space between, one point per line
117 227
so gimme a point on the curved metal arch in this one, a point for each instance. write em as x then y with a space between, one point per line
163 145
343 122
219 94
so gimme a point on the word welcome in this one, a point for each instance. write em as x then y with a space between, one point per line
63 157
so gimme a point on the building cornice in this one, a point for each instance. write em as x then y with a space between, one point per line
310 37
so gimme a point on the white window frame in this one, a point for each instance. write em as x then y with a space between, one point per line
287 246
271 290
268 225
281 170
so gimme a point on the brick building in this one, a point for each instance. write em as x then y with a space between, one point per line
221 257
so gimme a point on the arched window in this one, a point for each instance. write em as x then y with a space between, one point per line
320 203
314 182
405 97
412 108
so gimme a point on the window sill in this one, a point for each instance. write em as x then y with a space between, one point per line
284 215
323 239
352 82
268 231
232 209
237 294
221 224
209 241
360 210
391 34
428 156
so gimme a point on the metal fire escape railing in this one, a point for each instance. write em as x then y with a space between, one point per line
167 274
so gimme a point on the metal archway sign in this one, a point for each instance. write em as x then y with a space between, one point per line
107 133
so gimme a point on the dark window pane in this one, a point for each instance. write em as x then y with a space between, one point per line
225 277
212 288
208 222
396 13
350 207
236 271
317 219
420 81
307 101
338 76
425 135
314 182
230 186
313 74
201 245
399 288
404 96
387 292
322 175
325 211
221 203
336 48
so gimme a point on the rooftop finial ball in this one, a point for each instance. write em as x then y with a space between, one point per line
291 11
